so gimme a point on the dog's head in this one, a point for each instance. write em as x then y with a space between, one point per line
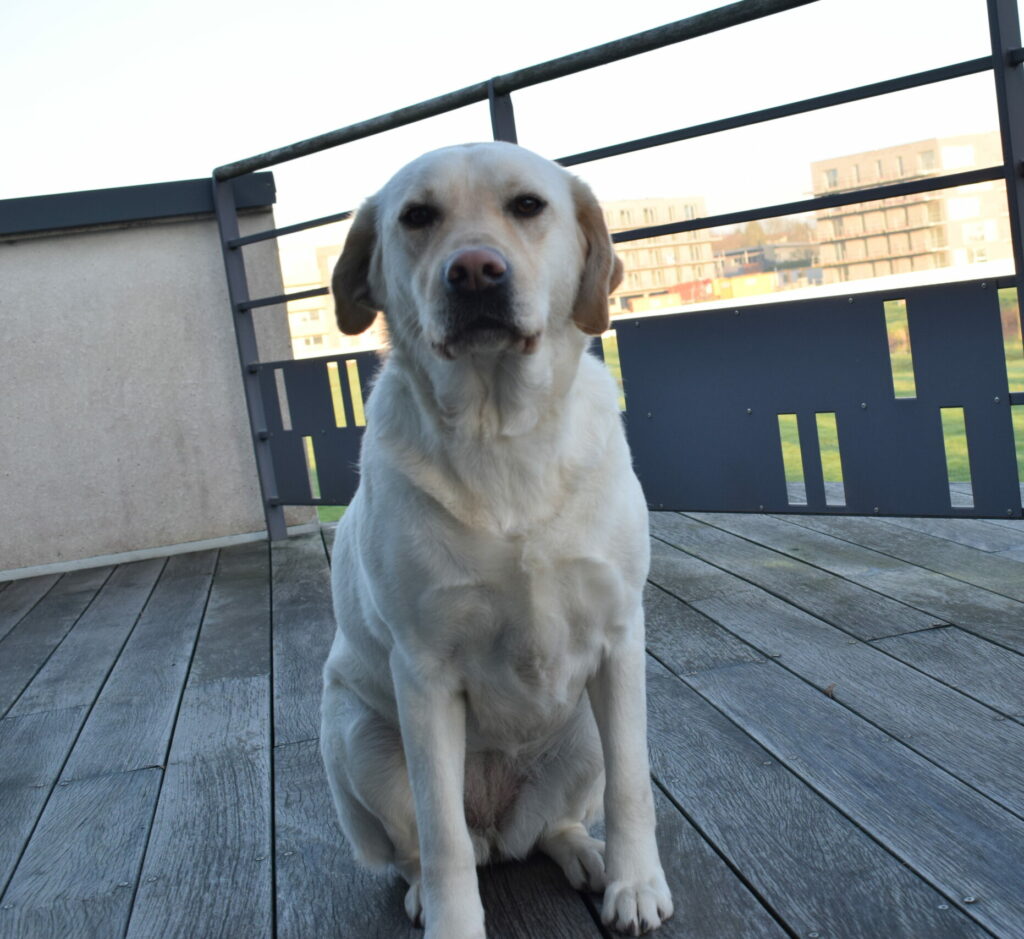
478 248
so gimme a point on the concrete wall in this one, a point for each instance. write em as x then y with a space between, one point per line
122 416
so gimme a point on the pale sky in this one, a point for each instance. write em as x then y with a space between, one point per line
99 93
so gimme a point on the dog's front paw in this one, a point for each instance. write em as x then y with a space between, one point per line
451 919
635 907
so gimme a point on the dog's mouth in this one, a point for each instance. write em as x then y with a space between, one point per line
485 333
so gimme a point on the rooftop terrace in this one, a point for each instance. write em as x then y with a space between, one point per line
836 710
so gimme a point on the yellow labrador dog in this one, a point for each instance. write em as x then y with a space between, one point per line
485 690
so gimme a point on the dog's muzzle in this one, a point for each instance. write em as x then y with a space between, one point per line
478 290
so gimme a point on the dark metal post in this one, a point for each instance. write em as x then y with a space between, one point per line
503 119
1004 27
248 356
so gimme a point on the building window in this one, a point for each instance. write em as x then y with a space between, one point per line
649 216
899 166
879 172
831 179
625 216
927 160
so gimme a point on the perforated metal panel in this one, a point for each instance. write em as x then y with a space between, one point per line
704 392
315 460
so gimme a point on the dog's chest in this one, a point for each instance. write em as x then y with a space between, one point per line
526 637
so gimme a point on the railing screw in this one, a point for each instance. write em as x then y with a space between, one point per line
876 510
649 414
863 405
970 899
750 410
996 399
1009 512
943 906
849 299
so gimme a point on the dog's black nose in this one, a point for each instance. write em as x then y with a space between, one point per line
474 269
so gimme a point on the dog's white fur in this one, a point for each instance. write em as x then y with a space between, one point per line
488 574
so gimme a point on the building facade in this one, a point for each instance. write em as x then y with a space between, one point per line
311 321
945 228
664 271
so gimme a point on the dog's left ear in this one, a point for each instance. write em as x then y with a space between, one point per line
602 269
355 300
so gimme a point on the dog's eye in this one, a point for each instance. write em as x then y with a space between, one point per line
526 205
419 216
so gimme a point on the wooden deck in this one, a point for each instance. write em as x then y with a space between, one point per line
836 738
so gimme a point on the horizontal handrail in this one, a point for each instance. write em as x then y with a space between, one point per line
281 298
888 86
289 229
906 82
851 197
835 200
701 24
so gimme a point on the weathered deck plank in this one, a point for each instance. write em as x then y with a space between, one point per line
848 605
987 672
960 734
957 839
1001 575
78 873
974 609
975 532
18 598
32 751
808 863
194 789
75 671
304 629
208 867
129 726
30 643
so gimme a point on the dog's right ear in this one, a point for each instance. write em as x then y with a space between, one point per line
354 303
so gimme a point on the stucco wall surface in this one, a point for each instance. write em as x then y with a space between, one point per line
122 416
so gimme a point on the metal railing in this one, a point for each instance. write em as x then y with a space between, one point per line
1004 62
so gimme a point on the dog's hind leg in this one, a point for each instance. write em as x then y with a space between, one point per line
368 778
562 796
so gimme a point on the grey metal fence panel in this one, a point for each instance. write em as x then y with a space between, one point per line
704 392
315 460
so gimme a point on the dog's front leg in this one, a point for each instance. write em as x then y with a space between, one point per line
432 713
636 897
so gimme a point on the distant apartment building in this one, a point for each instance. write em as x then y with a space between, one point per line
662 271
311 321
946 228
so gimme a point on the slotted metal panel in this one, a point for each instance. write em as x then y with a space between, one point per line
704 392
314 431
